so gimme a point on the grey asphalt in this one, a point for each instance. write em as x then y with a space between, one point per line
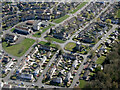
39 82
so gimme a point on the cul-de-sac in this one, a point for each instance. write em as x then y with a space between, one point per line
60 45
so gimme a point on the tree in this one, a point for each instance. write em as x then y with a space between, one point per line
108 21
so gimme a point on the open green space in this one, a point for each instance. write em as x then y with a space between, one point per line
118 13
70 46
18 49
82 83
48 44
100 60
50 39
78 7
59 20
37 34
12 29
46 28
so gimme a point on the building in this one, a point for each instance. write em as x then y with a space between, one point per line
5 60
57 80
75 63
26 76
43 47
68 76
10 38
38 24
78 46
9 64
22 30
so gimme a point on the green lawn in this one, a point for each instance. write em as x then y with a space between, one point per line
59 20
70 46
82 83
78 7
118 13
100 60
38 34
46 28
18 49
54 39
12 29
48 44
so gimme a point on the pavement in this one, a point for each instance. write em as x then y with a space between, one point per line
76 78
39 82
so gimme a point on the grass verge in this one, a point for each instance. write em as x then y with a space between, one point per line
18 49
59 20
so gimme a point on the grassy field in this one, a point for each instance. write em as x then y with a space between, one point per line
47 44
70 46
59 20
78 7
46 28
100 60
38 34
18 49
12 29
54 39
118 13
82 83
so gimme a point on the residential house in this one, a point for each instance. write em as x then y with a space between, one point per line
9 64
6 86
26 76
41 11
68 76
69 56
43 47
59 36
5 60
22 30
45 17
78 46
11 38
75 63
49 54
57 80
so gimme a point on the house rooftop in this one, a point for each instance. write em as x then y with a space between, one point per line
23 28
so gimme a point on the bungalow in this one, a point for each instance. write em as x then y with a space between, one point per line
11 38
22 30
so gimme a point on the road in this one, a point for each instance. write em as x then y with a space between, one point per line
76 78
39 82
